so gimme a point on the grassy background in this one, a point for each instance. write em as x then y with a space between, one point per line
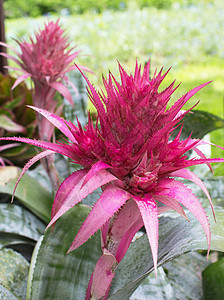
188 38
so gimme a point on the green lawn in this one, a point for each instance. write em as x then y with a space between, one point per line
189 39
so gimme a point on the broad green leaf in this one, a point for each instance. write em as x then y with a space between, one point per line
55 275
40 175
215 187
30 192
177 279
176 237
155 288
14 272
5 294
200 123
213 281
10 241
17 225
184 272
7 124
80 100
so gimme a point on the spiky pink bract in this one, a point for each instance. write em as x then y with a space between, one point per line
129 154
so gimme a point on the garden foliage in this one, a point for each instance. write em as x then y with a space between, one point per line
22 8
128 159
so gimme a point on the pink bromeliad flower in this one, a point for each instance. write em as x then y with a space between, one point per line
130 155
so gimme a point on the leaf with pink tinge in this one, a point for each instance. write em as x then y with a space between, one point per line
8 46
85 69
56 121
29 164
42 144
195 162
187 174
201 154
13 68
148 209
2 163
61 88
102 275
73 86
74 67
126 217
177 190
172 203
180 103
122 231
163 209
107 205
9 125
95 169
8 146
201 142
67 199
71 57
104 233
20 79
69 185
12 58
128 237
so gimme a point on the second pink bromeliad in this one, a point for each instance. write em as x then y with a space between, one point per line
46 59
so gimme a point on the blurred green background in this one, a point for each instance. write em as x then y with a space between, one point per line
187 35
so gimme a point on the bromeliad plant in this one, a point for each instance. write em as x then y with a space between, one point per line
46 59
131 156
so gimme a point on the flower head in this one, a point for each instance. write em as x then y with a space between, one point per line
46 58
129 153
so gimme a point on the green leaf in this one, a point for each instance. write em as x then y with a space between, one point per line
18 225
214 185
177 279
30 192
55 275
8 124
199 123
176 237
155 288
184 272
80 100
11 104
5 294
14 272
213 281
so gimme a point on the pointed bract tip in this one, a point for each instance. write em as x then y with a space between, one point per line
207 256
12 199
